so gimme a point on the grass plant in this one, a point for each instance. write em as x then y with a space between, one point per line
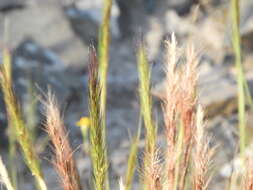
151 168
97 139
19 130
103 51
145 98
202 154
64 162
132 161
179 110
236 40
12 137
185 161
187 145
12 149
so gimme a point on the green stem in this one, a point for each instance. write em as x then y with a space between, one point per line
240 75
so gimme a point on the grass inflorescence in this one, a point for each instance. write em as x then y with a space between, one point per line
103 59
185 160
150 162
64 162
97 139
17 123
183 164
103 47
12 137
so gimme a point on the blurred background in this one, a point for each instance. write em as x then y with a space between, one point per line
49 40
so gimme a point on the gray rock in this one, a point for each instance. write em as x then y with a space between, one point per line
84 26
51 30
218 90
10 5
32 51
246 17
246 26
86 18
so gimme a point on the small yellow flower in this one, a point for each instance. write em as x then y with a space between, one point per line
83 122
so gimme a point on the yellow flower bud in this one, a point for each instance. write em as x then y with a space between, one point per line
83 122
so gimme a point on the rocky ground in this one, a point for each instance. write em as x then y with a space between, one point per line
50 40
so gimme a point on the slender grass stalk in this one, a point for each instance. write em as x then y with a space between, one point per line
17 122
169 110
150 162
236 40
103 49
64 162
12 137
12 157
145 98
179 154
131 163
98 149
188 101
4 177
202 154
